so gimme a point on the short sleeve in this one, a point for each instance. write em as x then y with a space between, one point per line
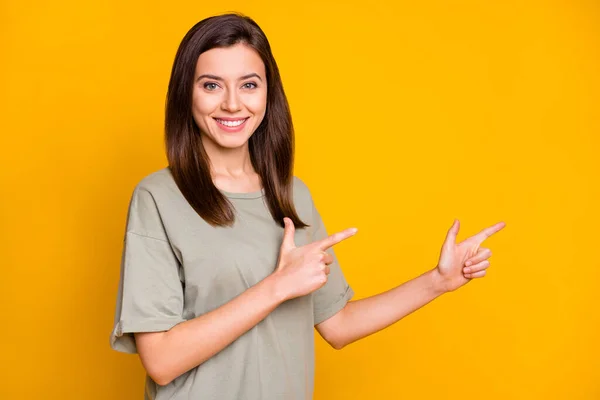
334 295
150 294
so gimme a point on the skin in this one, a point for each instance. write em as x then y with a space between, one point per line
364 317
300 270
230 83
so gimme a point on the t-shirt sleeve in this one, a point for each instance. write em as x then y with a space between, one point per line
150 294
334 295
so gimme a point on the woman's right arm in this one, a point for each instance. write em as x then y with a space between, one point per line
300 271
167 355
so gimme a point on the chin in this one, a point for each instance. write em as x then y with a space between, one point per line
232 142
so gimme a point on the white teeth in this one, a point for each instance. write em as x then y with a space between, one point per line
231 123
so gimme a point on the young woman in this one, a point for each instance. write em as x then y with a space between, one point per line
227 266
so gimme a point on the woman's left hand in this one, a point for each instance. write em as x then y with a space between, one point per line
461 262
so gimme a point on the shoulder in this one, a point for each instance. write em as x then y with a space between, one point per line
158 187
301 191
156 181
144 215
303 200
300 187
154 193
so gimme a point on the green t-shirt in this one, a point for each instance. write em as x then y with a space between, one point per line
175 267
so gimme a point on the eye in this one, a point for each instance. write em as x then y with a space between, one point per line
249 85
210 86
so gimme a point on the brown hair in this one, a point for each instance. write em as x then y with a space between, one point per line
271 146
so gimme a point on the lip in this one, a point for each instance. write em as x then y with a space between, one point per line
230 118
231 129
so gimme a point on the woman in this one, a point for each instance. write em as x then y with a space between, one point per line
227 266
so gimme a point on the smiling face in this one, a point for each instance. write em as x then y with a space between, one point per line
230 96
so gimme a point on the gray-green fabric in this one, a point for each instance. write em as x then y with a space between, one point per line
176 267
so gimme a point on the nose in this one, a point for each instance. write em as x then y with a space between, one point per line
231 102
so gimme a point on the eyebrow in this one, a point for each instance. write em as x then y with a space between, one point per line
218 78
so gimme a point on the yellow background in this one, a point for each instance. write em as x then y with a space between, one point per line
407 116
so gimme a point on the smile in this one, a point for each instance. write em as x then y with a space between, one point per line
231 123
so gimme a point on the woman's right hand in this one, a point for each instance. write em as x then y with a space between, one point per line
302 270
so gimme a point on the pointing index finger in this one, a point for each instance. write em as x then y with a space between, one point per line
334 239
489 231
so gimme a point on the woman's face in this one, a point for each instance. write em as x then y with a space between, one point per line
230 95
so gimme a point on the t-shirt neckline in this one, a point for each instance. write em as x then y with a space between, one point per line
248 195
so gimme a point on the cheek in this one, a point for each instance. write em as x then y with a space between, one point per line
203 105
257 104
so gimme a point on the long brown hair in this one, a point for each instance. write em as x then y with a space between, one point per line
271 146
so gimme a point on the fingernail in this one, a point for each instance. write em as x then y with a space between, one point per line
467 270
468 263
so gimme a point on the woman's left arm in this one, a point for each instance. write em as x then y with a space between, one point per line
458 264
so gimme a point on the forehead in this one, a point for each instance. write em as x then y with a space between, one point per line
230 62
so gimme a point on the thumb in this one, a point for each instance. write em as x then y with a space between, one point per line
288 235
452 233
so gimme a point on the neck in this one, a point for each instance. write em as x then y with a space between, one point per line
232 163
